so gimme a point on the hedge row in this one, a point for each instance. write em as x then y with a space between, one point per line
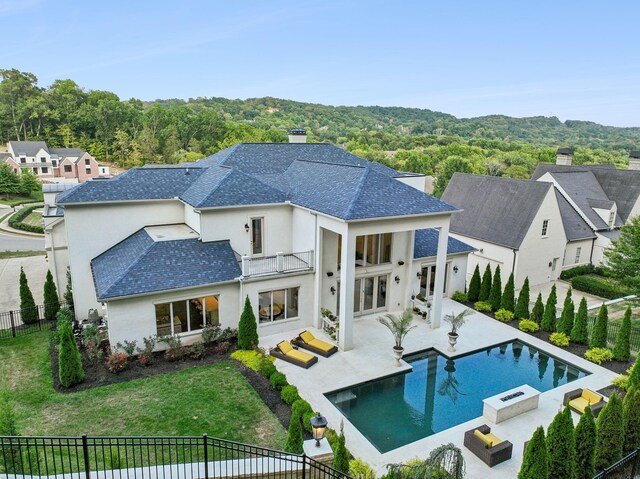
16 220
577 271
602 287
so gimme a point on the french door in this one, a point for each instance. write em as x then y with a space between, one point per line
370 294
257 237
428 281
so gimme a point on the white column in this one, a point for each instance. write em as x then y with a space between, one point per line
319 276
347 282
409 272
441 264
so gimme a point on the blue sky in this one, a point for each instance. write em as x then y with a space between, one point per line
571 59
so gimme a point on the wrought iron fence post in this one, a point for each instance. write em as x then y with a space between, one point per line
206 457
85 452
304 465
634 467
13 324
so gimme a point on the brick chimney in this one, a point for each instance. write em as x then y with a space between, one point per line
634 160
564 156
297 135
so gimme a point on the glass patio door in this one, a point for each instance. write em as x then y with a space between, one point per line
428 281
370 294
257 237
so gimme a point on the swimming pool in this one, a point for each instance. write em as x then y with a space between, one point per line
439 393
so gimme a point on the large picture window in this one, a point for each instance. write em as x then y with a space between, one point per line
373 249
277 305
187 315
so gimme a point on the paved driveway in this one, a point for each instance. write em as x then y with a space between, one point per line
35 267
10 242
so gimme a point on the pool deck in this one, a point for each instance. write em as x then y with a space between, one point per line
372 358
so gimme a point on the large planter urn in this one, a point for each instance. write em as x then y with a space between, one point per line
453 339
398 355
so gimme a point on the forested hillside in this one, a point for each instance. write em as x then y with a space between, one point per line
131 132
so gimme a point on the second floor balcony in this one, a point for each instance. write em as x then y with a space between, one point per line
278 263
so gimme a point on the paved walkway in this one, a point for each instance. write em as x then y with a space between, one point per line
35 267
372 358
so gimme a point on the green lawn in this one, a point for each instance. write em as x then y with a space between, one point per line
20 254
34 219
215 399
616 311
13 200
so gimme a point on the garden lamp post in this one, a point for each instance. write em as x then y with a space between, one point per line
318 427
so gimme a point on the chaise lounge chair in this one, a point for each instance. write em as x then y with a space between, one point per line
286 352
579 399
489 448
306 340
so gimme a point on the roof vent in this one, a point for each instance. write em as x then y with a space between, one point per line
564 156
297 135
634 160
186 172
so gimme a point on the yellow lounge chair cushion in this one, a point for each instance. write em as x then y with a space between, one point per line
579 404
321 345
590 396
307 337
494 439
483 438
300 356
285 347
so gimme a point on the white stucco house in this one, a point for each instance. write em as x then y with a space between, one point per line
296 227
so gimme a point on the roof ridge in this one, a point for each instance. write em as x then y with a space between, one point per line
331 163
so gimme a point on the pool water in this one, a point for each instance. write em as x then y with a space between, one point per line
439 393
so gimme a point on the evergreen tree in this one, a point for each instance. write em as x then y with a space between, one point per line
247 328
11 455
51 301
549 317
535 462
631 420
579 332
9 180
599 333
561 446
610 433
508 300
495 296
522 307
622 347
294 437
474 286
28 310
537 313
68 292
485 286
340 455
565 324
585 445
634 375
70 369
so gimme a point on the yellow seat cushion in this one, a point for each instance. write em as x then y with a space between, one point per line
494 439
579 404
300 356
285 347
307 337
591 397
321 345
483 437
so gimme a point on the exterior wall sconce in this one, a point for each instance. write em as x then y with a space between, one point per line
318 427
419 274
333 290
397 279
455 269
329 273
246 227
400 263
550 264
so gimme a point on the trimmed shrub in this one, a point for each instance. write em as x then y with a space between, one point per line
28 310
598 355
495 296
504 315
535 462
528 326
340 454
485 285
565 323
603 287
306 413
585 434
359 469
577 271
70 369
522 306
610 433
482 306
549 317
537 312
267 369
622 346
621 382
599 333
634 374
306 420
631 420
252 359
278 381
117 362
508 300
247 328
51 301
579 332
289 394
12 455
474 285
294 436
559 339
460 297
561 446
15 221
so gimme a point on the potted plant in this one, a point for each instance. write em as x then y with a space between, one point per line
399 327
456 321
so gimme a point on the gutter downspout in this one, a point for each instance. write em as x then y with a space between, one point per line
593 245
513 265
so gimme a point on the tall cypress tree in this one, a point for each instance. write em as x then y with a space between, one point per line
579 332
561 446
247 327
294 436
68 292
495 296
631 420
535 462
549 317
599 333
28 310
51 301
485 286
537 313
474 285
340 455
565 324
610 433
70 370
508 300
585 445
522 306
634 375
622 347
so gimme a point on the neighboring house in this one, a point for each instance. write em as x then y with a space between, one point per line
55 234
295 227
52 163
515 224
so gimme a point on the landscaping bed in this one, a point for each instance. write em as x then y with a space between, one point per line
19 220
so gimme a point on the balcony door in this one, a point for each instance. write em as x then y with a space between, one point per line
257 236
428 281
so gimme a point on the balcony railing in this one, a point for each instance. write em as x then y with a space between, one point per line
277 264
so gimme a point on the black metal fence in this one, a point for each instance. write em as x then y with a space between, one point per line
612 331
626 468
190 457
12 326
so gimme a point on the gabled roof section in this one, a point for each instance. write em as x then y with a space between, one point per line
66 152
575 228
543 168
496 210
221 186
426 244
141 265
28 148
621 186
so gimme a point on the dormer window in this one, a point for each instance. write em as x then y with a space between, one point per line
545 228
612 218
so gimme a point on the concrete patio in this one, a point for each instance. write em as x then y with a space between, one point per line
372 358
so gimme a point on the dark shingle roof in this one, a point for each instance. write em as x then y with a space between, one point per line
64 152
426 244
28 148
621 186
140 265
575 228
543 168
497 210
